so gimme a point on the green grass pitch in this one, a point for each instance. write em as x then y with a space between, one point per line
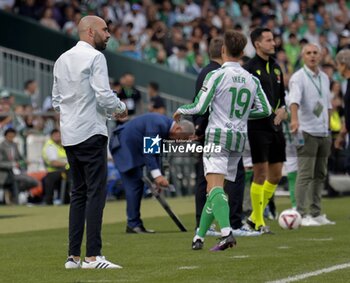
33 245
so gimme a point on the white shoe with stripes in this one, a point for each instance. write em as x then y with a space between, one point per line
99 263
72 264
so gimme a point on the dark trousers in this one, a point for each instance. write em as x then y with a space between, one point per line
133 184
347 157
234 190
88 163
52 183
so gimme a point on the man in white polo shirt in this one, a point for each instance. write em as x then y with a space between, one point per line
310 105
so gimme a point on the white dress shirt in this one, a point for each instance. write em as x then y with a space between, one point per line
308 89
82 95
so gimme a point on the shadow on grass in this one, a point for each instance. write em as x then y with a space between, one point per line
10 216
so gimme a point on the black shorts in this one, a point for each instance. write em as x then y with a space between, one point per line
267 146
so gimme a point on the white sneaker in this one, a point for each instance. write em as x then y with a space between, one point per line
211 232
245 231
308 221
322 220
72 264
99 263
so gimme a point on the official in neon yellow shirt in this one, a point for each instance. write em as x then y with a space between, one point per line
56 163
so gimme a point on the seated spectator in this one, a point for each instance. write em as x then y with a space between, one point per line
28 8
162 58
292 49
7 5
115 40
31 89
137 17
196 67
12 163
5 109
48 21
156 103
56 163
71 27
177 61
131 49
167 14
129 94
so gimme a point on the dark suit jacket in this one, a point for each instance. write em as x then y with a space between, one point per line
127 141
201 121
8 154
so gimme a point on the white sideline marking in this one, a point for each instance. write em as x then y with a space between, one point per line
240 256
310 274
188 267
117 280
283 247
320 240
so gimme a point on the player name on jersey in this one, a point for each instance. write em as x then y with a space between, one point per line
238 79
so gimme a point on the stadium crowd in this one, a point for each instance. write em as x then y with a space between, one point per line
176 34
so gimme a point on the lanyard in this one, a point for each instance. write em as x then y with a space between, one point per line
313 82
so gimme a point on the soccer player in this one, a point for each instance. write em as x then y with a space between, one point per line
234 190
230 92
266 136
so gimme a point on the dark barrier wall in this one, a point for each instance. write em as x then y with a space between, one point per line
28 36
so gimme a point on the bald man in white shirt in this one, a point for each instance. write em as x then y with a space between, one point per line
82 95
309 93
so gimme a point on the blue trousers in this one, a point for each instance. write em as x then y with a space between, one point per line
133 184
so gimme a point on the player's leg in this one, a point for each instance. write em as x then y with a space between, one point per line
259 145
200 191
292 177
221 209
235 191
276 157
274 175
257 193
217 204
291 167
248 167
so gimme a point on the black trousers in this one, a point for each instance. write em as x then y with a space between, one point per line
234 190
88 165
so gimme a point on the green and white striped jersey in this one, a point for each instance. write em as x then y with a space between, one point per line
233 96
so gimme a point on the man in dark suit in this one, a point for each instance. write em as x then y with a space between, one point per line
128 147
12 166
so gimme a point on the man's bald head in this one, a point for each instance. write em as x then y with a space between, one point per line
94 30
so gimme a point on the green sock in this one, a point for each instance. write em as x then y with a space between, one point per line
207 218
220 207
292 176
248 177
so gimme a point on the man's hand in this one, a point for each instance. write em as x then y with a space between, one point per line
294 126
161 181
339 142
121 116
177 116
280 116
